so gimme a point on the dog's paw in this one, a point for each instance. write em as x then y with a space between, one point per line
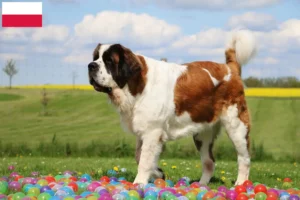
159 173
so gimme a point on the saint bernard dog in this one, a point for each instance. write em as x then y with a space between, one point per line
160 101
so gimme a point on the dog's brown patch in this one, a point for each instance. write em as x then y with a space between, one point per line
137 83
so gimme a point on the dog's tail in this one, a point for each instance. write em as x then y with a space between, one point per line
241 47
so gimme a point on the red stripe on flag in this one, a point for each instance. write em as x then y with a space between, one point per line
22 20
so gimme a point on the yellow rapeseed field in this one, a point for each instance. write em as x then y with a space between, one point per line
251 92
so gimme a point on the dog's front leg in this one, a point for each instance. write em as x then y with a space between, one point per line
138 149
150 151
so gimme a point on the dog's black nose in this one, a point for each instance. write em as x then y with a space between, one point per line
93 66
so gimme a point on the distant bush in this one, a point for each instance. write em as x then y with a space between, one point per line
280 82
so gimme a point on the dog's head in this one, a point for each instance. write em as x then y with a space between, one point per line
112 67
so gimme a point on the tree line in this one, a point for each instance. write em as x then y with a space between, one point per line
280 82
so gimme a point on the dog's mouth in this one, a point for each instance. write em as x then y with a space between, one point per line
100 88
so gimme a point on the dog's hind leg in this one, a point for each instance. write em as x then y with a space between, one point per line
237 123
204 142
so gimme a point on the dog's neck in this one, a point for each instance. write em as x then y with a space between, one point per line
122 99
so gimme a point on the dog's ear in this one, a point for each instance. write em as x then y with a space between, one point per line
125 64
96 52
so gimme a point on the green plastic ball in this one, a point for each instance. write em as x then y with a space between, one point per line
68 198
42 182
34 191
190 196
286 185
44 196
3 188
150 197
132 198
133 193
18 196
260 196
171 197
92 198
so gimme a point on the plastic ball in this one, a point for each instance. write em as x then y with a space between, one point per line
287 180
14 186
3 188
286 185
33 191
44 196
150 198
208 195
294 197
133 193
231 194
44 189
18 196
160 183
260 188
260 196
111 172
247 183
191 196
87 177
242 197
118 197
240 189
42 182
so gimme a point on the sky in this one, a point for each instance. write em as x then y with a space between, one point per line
179 30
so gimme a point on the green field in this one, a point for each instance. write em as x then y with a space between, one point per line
84 116
225 173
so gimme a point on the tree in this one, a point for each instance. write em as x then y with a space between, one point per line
164 59
11 70
74 76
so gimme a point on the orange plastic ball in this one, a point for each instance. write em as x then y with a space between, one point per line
104 179
291 191
160 183
182 192
208 195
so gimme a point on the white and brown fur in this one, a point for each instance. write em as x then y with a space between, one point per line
160 101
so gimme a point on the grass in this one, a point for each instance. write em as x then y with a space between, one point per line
82 116
10 97
225 172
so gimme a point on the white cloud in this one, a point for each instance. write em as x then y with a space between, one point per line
270 61
253 20
46 33
50 33
79 57
204 4
49 49
125 27
63 1
207 38
15 56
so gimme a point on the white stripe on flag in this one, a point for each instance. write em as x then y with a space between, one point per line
22 8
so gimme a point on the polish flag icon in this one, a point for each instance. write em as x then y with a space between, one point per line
22 14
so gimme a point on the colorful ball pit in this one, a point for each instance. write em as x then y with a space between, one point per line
69 186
